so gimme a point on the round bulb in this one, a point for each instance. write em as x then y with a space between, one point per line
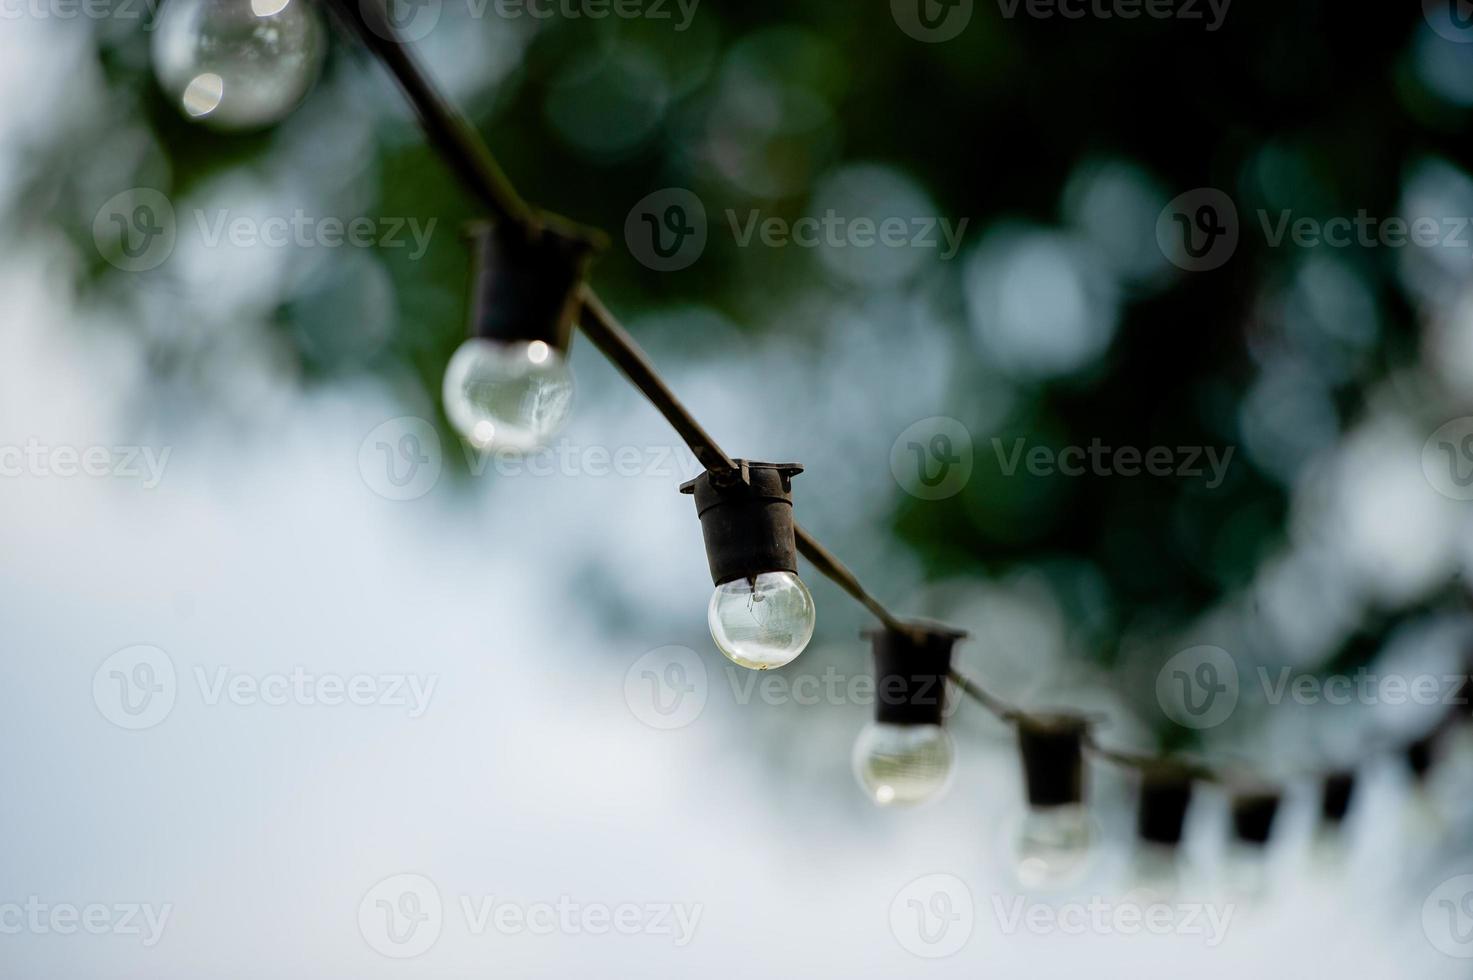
513 396
764 622
237 64
1157 873
1054 846
902 765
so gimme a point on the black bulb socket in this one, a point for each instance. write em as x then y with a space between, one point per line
747 519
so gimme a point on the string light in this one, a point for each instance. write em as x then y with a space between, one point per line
1166 795
243 63
1055 839
1254 812
904 757
237 64
761 614
508 386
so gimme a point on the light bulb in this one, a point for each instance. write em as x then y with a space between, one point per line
237 64
902 765
1157 873
1054 846
761 622
508 395
1245 872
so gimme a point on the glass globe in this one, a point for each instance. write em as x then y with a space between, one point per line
902 765
1054 846
512 396
237 64
1156 872
761 623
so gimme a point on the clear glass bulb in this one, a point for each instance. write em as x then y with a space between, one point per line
1054 846
902 765
763 623
1245 871
1156 873
512 396
237 64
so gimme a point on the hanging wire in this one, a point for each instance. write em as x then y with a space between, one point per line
461 148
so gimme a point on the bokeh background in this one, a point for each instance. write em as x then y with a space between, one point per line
529 594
